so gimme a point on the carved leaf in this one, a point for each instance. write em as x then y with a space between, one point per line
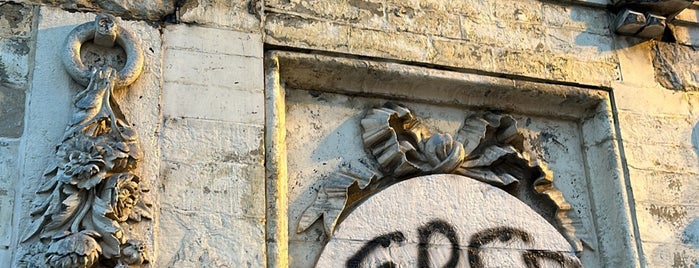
141 210
109 230
333 195
33 228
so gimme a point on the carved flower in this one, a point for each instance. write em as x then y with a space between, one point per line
441 154
133 253
84 162
123 194
77 250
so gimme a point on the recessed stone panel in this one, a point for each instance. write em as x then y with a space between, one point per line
326 98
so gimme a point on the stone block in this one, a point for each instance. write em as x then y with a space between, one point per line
469 55
600 72
212 41
190 140
14 60
580 45
662 157
9 173
12 104
635 62
17 20
655 129
403 46
212 186
465 7
235 15
676 66
213 70
670 255
689 15
521 62
664 223
650 100
662 187
204 239
213 103
290 30
361 13
505 34
423 21
526 11
687 35
577 18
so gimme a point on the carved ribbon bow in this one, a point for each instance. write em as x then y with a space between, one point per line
488 147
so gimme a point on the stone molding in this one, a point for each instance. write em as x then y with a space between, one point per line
370 78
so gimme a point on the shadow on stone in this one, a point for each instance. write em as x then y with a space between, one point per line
690 235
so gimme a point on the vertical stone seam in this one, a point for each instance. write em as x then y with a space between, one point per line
626 191
21 152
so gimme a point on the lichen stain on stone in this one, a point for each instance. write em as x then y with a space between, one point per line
3 72
681 260
671 215
675 185
18 47
13 13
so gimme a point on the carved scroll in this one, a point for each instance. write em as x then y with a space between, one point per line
488 147
92 192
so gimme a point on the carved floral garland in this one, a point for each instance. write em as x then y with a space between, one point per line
488 147
92 189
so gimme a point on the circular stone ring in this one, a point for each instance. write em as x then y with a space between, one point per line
81 73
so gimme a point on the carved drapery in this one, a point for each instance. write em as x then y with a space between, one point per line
92 193
488 147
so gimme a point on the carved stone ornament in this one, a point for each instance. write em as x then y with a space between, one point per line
488 147
91 192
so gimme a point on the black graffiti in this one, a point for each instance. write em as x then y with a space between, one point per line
383 241
426 232
532 257
487 236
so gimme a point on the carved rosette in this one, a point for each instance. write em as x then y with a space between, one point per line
91 192
488 147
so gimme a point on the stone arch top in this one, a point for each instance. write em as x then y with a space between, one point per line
445 221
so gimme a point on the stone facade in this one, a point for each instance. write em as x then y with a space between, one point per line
244 110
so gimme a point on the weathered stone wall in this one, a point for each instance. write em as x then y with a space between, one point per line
561 42
658 120
17 37
200 108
